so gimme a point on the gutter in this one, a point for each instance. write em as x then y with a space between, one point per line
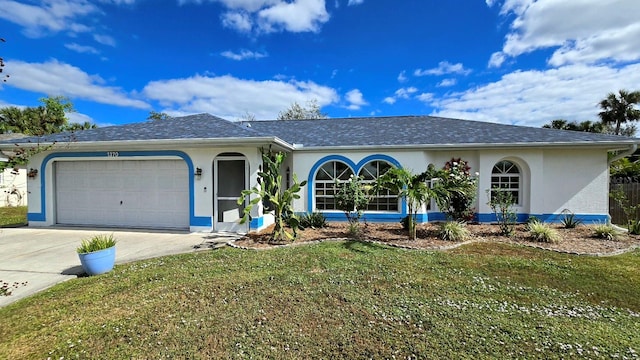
626 153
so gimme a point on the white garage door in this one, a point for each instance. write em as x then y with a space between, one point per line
148 194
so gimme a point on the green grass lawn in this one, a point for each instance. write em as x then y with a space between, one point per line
13 216
338 300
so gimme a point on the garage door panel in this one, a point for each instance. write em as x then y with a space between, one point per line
141 193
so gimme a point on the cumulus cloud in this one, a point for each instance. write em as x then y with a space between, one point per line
355 2
355 99
49 16
243 55
231 97
535 97
580 31
402 93
238 21
105 39
402 77
57 78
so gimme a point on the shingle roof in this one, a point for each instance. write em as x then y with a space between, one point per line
349 132
418 130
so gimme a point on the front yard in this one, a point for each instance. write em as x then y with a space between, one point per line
340 299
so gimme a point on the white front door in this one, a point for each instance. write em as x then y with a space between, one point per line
230 178
123 193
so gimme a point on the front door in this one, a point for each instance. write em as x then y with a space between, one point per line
230 178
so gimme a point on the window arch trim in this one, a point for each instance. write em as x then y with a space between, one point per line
506 178
356 170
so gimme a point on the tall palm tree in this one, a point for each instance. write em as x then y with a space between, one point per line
618 109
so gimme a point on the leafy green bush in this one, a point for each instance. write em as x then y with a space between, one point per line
315 220
542 232
502 202
634 227
453 231
531 221
605 231
569 220
459 190
95 243
352 197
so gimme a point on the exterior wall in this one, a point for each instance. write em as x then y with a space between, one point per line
41 208
13 188
552 180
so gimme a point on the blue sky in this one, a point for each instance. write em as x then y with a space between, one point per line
520 62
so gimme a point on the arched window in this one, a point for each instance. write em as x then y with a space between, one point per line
325 183
506 177
383 200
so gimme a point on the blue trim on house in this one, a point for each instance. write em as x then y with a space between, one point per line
356 169
256 222
374 217
193 220
549 218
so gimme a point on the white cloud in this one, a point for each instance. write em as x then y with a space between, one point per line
444 67
49 16
231 97
447 83
580 31
297 16
266 16
243 55
402 77
426 97
56 78
355 99
237 20
82 48
536 97
402 93
105 39
355 2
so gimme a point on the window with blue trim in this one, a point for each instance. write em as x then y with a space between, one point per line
383 200
325 183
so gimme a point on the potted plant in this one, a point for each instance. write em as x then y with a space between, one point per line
97 254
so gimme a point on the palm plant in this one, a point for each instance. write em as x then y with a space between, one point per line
619 109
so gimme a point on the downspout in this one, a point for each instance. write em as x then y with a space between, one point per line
631 150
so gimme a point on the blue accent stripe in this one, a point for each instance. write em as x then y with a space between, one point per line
193 220
356 169
256 222
549 218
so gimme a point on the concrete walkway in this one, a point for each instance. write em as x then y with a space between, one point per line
44 257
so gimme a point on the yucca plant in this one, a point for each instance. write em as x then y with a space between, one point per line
315 220
542 232
95 243
606 232
453 231
569 220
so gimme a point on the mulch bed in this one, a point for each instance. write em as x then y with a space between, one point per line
579 240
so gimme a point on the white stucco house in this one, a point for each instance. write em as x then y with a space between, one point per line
13 182
187 172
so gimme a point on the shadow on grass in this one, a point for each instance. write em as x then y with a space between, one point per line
361 246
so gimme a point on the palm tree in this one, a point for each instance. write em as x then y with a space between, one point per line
618 109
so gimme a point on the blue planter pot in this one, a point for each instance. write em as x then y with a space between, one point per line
98 262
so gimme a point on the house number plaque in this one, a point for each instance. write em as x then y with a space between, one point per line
113 154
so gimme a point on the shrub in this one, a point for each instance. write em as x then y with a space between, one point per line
532 220
453 231
315 220
542 232
634 227
95 243
501 202
352 197
606 231
459 190
569 220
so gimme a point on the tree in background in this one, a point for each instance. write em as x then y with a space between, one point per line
620 109
154 115
299 112
586 126
48 118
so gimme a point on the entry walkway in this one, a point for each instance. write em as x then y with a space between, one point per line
44 257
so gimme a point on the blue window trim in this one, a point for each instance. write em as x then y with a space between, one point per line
356 169
193 220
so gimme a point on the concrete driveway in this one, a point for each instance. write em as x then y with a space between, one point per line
44 257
